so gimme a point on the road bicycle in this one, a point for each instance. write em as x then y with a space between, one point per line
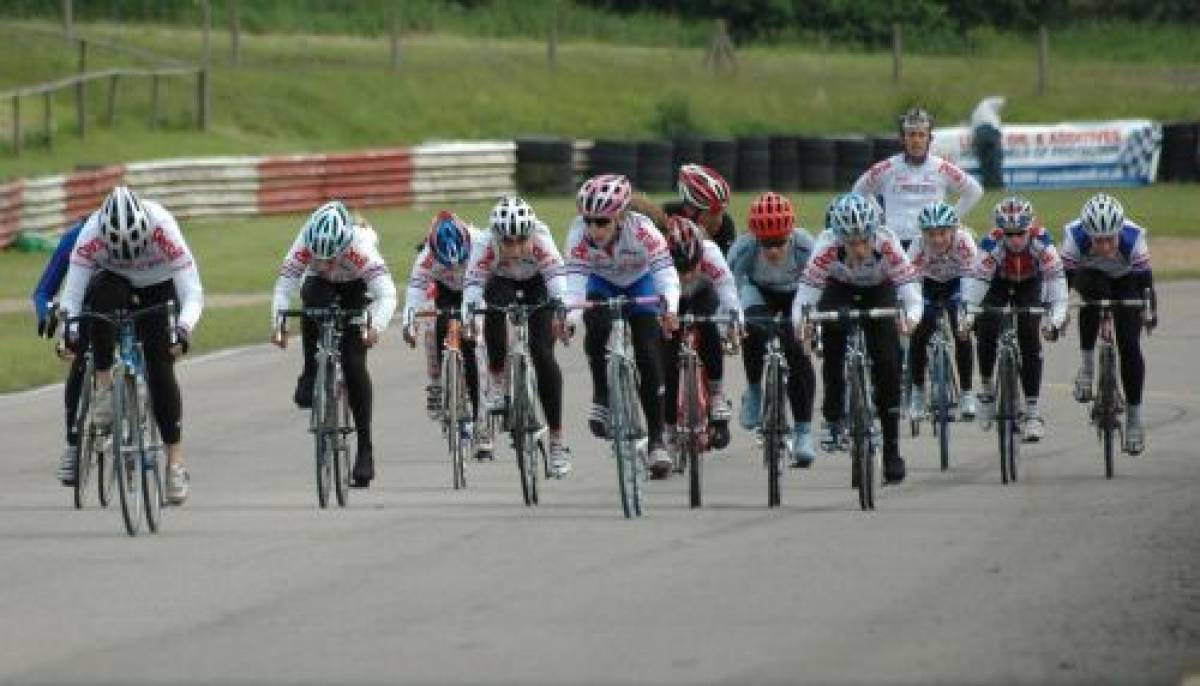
943 395
774 428
694 433
458 416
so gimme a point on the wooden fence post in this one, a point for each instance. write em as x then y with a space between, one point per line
16 108
897 51
154 101
68 20
47 117
111 116
81 91
1043 56
235 33
202 99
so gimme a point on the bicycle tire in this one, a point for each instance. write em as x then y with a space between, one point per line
637 432
1106 397
1007 411
125 423
939 381
341 452
860 439
523 440
772 431
694 424
619 432
85 439
151 451
452 377
106 477
321 436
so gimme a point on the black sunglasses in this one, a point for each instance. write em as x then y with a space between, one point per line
598 221
773 243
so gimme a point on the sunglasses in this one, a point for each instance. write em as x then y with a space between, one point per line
773 243
514 240
598 221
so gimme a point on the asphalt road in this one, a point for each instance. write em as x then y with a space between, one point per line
1064 577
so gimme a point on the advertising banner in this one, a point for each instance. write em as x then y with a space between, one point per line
1065 155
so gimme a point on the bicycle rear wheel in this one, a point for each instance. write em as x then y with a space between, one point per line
342 426
1107 401
85 436
1007 432
151 452
125 441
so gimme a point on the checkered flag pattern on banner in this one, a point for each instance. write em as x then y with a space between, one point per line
1138 152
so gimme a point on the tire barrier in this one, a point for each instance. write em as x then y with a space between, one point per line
687 151
614 157
753 164
721 155
884 147
1180 152
785 164
655 170
853 154
817 159
545 166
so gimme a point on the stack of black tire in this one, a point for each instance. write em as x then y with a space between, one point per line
655 170
753 164
544 165
615 157
785 164
817 159
687 151
853 154
884 146
1180 158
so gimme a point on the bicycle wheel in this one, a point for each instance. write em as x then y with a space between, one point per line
939 381
1106 399
106 476
636 427
125 456
85 435
773 428
151 453
860 439
523 439
342 426
452 376
619 431
1007 431
322 440
693 425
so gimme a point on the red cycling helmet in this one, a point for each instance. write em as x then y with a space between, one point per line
703 188
686 243
772 217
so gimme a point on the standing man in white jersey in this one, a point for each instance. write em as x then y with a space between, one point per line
131 255
908 181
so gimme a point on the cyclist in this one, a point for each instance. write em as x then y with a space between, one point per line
1017 264
519 262
704 199
335 259
613 251
910 180
941 256
707 288
767 264
43 293
858 263
439 275
1105 256
131 255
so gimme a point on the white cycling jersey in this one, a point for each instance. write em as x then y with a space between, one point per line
1133 254
1038 259
360 261
712 270
638 250
541 257
953 263
903 189
886 263
166 258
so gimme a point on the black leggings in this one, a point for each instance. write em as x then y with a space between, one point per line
802 380
1021 294
647 344
882 345
318 292
935 293
108 292
1093 284
444 299
703 302
500 292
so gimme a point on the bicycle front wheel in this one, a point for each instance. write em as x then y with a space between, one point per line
773 428
452 372
940 379
1106 398
1008 433
623 437
693 425
322 438
125 452
861 450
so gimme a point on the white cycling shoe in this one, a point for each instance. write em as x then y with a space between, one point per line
178 484
1033 428
67 465
433 401
916 403
560 460
1083 386
1135 435
967 407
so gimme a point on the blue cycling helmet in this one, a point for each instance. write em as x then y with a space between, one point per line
1014 215
854 216
937 215
449 240
329 230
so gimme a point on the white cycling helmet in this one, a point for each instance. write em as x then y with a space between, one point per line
512 217
329 230
124 224
1102 215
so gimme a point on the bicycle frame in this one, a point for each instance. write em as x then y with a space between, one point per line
692 402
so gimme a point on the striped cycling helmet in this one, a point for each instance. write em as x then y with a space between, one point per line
1014 215
329 230
937 215
1102 215
124 224
449 239
854 216
685 240
703 188
606 195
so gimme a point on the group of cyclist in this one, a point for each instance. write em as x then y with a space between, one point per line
892 241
